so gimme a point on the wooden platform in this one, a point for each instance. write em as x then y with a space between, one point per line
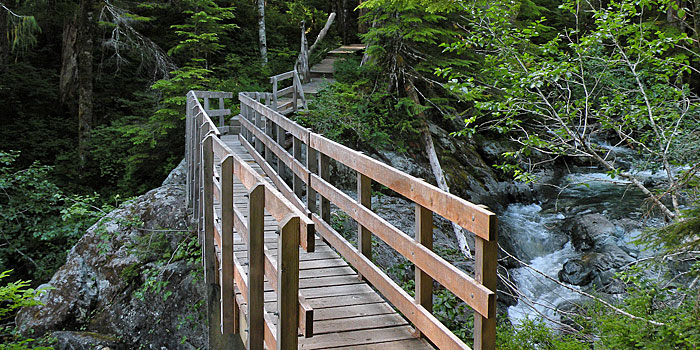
348 313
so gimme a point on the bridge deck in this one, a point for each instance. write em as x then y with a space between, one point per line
348 313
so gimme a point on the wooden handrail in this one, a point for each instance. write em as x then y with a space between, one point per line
260 122
206 186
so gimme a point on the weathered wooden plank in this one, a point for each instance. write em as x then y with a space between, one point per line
348 312
437 332
359 323
218 112
424 236
287 124
467 215
346 300
282 76
256 267
410 344
486 263
212 94
364 197
288 283
226 282
367 336
465 287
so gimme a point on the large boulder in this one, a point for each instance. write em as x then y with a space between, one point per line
585 230
131 281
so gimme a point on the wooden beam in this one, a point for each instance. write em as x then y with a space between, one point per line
480 298
256 267
282 76
298 178
226 281
467 215
325 174
438 333
212 94
424 236
364 197
485 268
279 119
288 283
312 167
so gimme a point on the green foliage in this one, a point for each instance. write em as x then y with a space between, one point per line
37 221
349 111
13 296
533 335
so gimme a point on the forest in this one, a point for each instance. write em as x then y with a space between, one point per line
93 98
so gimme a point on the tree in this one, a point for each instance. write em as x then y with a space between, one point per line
262 37
623 80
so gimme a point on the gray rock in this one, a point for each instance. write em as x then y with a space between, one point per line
101 287
66 340
177 176
585 230
576 272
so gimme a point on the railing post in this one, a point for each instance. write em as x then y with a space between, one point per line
222 118
312 165
198 177
269 125
274 93
324 169
280 141
256 267
424 236
208 246
296 153
189 149
485 268
294 95
228 326
258 143
288 283
364 196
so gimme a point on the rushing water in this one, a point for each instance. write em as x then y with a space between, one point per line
536 239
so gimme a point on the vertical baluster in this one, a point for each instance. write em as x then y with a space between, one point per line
256 267
312 165
296 153
364 196
280 141
258 123
485 268
208 246
424 236
228 326
274 93
324 165
222 117
288 283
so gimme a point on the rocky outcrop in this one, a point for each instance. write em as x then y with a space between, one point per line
132 280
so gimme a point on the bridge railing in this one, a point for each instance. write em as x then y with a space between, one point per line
295 92
263 134
212 170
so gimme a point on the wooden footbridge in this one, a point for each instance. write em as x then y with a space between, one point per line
279 276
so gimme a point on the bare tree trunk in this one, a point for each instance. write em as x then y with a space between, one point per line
85 88
323 32
436 168
362 25
69 62
262 37
4 44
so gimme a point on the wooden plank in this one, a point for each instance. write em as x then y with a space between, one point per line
424 236
457 281
299 179
228 325
214 321
256 267
438 333
325 174
288 283
364 197
299 170
279 119
307 228
282 76
486 263
285 91
359 323
218 112
409 344
346 300
367 336
323 292
467 215
348 312
212 94
312 166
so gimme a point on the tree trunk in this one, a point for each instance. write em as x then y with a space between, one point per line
262 37
436 168
69 63
85 43
362 25
4 44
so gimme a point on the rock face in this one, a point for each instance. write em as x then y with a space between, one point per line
586 229
130 282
